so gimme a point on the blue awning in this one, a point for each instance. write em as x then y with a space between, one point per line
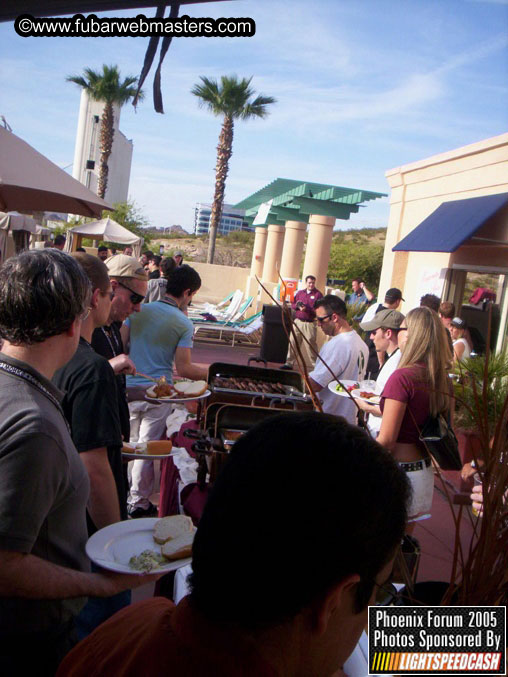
451 224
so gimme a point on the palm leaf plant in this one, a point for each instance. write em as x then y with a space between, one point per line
108 88
231 99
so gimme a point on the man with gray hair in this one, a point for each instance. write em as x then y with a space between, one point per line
44 488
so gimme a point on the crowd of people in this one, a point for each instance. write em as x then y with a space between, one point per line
76 331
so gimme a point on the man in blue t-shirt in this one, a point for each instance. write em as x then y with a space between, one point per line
159 337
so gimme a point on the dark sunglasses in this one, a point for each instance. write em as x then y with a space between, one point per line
134 297
322 319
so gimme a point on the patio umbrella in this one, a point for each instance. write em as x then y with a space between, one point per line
31 182
105 229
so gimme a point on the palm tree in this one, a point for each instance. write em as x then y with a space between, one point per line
106 87
232 98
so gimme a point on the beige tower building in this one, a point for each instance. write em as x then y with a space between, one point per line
87 152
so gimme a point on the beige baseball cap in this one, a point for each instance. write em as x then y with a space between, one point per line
121 265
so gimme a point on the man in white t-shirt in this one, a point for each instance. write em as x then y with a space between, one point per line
345 354
384 331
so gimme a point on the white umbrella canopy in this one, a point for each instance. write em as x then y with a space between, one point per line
15 221
31 182
107 230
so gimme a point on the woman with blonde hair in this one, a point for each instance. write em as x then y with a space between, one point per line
418 388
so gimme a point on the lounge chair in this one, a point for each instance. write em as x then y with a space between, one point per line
225 316
217 331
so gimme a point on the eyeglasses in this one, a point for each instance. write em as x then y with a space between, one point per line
402 329
134 297
322 319
111 294
85 315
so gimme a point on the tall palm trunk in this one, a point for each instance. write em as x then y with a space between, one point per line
224 151
106 143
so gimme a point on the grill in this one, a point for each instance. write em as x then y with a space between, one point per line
257 386
241 397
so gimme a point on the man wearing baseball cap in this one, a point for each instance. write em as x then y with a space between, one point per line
384 330
393 298
129 283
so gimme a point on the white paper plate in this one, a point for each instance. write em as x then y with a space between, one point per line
135 454
333 384
150 395
113 546
370 400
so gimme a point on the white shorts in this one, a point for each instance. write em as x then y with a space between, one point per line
422 485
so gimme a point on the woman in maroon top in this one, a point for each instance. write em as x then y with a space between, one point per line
418 388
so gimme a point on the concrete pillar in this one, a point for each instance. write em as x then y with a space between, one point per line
273 255
294 240
258 252
319 242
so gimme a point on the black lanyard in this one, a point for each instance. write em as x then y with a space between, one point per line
34 382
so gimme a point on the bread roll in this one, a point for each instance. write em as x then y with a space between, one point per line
159 447
172 527
179 547
190 388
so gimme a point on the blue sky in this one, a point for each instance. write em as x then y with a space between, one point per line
362 86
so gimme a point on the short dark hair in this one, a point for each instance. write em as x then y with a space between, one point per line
264 507
81 249
310 277
168 265
102 248
332 304
41 293
430 301
60 239
148 254
95 270
156 259
357 279
182 278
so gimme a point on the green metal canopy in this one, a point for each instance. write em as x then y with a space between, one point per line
296 200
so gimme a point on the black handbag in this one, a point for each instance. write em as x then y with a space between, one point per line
440 441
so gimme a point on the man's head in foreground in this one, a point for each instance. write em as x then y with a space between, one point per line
43 294
297 534
129 282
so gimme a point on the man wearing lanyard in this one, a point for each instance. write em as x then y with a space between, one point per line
44 297
129 283
158 336
384 330
305 325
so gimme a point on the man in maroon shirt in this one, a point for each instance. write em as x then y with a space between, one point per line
304 319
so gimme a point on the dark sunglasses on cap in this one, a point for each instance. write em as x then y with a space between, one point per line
134 297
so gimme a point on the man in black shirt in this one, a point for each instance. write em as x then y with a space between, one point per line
129 282
91 408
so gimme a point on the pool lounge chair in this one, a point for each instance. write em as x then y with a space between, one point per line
216 331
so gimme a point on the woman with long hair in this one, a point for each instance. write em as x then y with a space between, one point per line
418 388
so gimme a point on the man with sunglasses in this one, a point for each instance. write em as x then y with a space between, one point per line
159 336
345 354
129 283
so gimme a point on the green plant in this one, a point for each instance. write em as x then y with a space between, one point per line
483 383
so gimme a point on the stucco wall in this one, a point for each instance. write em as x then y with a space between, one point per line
219 281
417 189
